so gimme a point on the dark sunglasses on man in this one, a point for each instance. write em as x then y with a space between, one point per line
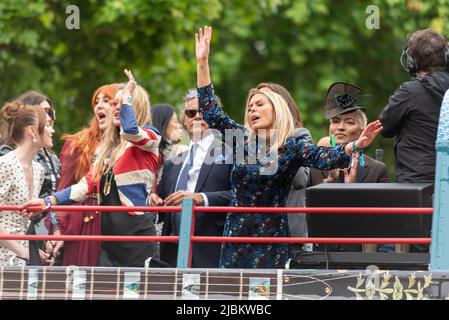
192 113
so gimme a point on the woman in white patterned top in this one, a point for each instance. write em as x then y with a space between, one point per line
21 178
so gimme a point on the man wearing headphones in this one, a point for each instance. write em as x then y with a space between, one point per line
413 111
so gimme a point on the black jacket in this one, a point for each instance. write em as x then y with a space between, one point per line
373 172
412 115
214 181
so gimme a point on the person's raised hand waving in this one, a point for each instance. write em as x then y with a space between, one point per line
202 43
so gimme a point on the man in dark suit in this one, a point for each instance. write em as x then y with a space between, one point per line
202 174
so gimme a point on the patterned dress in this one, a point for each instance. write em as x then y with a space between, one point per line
14 191
50 163
262 183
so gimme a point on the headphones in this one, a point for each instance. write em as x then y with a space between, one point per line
411 67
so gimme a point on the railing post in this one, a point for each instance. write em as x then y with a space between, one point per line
185 232
439 249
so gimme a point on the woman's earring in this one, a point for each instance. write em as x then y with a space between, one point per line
34 139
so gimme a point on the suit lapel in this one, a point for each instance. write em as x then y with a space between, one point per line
176 170
362 172
174 217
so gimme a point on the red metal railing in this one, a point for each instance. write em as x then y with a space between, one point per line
288 210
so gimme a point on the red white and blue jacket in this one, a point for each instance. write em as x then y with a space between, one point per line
135 169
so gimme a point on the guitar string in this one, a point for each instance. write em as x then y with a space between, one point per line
111 295
126 282
113 292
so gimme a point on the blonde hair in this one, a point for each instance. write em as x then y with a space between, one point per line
284 93
361 118
113 144
283 120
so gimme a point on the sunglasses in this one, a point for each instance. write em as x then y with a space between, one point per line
192 113
51 113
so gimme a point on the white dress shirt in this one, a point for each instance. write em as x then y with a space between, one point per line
200 154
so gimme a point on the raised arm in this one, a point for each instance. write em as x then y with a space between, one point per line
305 153
143 138
207 101
202 51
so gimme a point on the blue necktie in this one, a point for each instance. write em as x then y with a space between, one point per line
182 183
184 176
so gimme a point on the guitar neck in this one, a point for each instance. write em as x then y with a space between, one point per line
98 283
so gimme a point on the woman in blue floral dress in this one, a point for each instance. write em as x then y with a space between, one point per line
263 164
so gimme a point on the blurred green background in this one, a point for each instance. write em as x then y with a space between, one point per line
303 45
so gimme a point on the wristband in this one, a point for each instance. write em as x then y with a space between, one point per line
354 148
52 214
128 99
360 151
47 207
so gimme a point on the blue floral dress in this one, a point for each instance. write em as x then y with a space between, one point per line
262 183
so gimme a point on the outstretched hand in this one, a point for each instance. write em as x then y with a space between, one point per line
202 43
368 134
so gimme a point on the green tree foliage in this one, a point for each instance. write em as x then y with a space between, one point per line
304 45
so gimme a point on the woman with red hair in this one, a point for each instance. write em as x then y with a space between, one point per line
77 155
